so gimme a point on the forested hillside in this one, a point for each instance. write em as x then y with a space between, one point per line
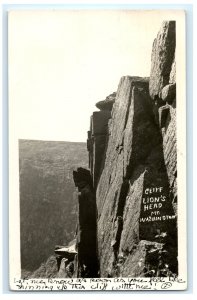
47 197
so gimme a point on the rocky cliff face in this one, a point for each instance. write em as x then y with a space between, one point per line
163 69
132 161
162 88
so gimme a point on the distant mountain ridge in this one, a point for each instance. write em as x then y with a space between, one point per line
47 197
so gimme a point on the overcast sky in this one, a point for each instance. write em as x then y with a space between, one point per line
62 62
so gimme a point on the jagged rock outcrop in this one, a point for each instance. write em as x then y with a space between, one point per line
96 143
87 265
98 136
48 269
108 103
132 160
168 93
65 256
133 191
163 57
163 87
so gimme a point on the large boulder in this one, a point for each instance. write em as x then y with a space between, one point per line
108 103
168 93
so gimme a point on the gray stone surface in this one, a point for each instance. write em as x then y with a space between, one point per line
86 227
132 159
162 58
170 152
108 103
173 72
168 93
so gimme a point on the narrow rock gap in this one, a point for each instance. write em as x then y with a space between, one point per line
119 218
128 107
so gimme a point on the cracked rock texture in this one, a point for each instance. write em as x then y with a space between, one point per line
163 85
86 227
163 53
132 161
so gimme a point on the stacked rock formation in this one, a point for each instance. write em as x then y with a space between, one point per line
98 136
163 87
86 228
132 161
